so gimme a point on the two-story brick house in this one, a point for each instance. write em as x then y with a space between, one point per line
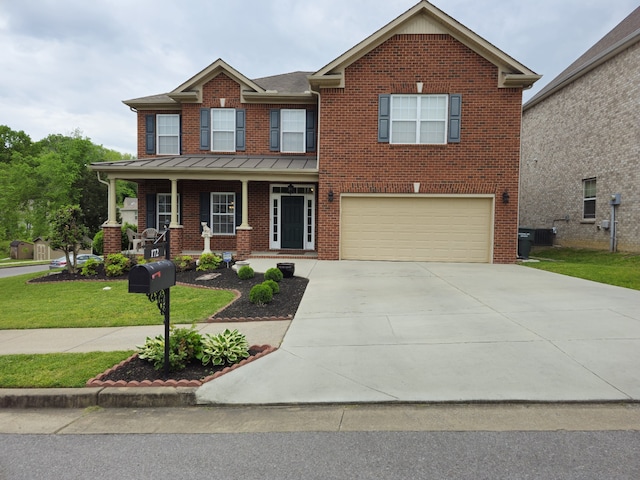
406 147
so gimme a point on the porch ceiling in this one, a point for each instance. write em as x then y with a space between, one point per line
293 168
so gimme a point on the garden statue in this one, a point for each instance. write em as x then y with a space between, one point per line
206 234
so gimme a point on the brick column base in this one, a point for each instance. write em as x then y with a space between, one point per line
176 241
243 242
112 239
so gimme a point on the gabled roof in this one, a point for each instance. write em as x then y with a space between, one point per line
625 34
290 88
424 18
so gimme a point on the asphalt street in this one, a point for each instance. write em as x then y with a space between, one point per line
13 271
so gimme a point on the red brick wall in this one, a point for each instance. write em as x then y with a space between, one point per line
485 161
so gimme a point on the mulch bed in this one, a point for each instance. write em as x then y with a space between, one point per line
136 372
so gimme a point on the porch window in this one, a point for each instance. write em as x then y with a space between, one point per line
223 213
223 130
589 199
164 209
168 134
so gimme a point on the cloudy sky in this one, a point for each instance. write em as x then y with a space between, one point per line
68 64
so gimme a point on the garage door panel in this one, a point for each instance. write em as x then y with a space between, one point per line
423 229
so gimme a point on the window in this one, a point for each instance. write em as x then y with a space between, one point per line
223 213
168 134
293 131
420 119
164 209
589 199
223 130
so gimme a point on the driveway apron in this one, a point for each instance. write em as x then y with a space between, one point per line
435 332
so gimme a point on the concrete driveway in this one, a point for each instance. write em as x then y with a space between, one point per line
388 332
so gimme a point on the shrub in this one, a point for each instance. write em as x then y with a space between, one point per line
116 264
273 274
208 261
98 243
260 294
227 347
273 285
185 344
90 268
246 272
183 262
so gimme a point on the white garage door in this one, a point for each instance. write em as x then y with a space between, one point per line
433 229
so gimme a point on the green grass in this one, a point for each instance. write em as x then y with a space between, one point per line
620 269
88 304
55 370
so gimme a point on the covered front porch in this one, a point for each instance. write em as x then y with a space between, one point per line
252 206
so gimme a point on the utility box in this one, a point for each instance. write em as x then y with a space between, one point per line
152 277
615 199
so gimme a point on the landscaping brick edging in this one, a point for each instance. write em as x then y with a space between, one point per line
98 382
214 319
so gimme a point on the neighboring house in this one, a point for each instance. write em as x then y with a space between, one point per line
42 250
581 144
406 147
129 211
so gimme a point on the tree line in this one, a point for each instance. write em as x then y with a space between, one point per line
38 178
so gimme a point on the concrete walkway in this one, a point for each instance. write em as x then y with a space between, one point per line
425 332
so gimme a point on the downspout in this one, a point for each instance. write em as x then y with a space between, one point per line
318 136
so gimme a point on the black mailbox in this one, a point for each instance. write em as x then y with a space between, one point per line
152 277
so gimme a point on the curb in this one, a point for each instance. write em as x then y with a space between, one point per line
106 397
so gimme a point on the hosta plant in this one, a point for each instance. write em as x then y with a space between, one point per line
185 344
228 347
208 261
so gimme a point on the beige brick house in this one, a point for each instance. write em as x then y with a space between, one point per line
405 147
581 144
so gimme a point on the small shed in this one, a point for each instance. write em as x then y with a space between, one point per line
43 251
21 250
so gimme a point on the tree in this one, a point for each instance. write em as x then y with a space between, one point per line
68 234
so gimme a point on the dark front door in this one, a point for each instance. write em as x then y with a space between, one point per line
292 222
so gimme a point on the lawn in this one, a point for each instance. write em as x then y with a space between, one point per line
620 269
97 304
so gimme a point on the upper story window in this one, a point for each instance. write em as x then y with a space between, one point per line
168 136
589 199
419 119
292 130
222 129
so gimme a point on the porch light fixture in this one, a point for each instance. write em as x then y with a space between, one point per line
331 195
291 189
505 197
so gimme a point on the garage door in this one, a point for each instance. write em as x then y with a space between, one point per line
433 229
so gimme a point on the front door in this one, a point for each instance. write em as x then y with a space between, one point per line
292 222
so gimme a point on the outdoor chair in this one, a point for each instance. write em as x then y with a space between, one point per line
134 240
149 236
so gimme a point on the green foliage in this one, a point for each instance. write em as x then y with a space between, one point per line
98 243
90 268
116 264
246 272
208 261
124 238
68 233
261 294
273 274
273 285
185 344
183 262
228 347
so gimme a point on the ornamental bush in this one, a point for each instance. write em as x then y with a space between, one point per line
116 264
273 285
260 294
228 347
208 261
246 272
273 274
90 267
183 262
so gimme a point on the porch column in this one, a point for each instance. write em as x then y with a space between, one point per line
174 204
243 232
112 217
245 204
